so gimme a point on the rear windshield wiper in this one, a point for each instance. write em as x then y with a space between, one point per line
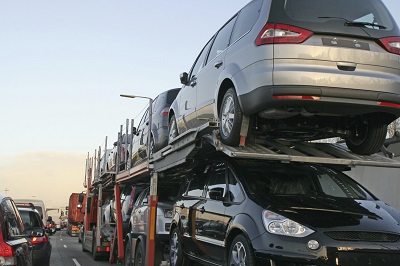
363 24
357 23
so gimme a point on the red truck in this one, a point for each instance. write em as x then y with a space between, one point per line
75 214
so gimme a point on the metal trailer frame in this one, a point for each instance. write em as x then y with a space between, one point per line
183 152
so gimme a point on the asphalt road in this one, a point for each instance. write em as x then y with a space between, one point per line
68 252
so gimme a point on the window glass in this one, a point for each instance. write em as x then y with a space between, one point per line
12 219
235 191
197 182
246 19
30 219
222 40
200 60
217 181
320 11
267 179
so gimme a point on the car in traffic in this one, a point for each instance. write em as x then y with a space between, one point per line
138 224
256 212
34 228
159 127
15 248
297 70
112 155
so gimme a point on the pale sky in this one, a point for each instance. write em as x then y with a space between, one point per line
63 65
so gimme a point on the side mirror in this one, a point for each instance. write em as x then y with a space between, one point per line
81 197
216 193
134 131
184 78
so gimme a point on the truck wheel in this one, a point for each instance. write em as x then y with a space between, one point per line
128 259
139 255
176 255
230 119
173 129
367 137
240 252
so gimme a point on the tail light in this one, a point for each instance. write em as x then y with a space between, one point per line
39 239
391 44
164 112
6 253
396 105
280 33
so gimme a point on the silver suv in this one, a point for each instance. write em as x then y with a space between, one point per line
298 70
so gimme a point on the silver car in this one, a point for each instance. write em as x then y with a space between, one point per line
298 70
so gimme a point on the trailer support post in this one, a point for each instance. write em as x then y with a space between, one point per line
120 239
151 234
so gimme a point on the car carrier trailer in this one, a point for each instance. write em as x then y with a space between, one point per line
176 159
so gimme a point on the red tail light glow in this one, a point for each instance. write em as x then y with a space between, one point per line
396 105
6 250
280 33
391 44
297 97
39 239
164 112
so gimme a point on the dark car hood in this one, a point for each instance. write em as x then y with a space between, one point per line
323 212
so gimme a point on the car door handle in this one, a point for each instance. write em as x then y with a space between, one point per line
218 64
346 66
202 210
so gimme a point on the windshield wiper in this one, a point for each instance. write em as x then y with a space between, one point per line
357 23
363 24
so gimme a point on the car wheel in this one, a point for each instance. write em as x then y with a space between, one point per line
176 255
230 118
240 252
368 137
128 259
139 255
173 129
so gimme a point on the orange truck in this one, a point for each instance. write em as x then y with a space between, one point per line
75 214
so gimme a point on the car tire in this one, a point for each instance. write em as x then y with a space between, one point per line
368 137
230 118
240 252
176 255
139 255
173 129
128 259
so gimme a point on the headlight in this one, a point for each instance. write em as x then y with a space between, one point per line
168 213
280 225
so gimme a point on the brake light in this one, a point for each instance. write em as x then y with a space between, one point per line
396 105
296 97
391 44
164 112
280 33
39 239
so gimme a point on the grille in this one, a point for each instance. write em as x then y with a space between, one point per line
363 236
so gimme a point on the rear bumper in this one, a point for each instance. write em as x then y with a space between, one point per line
350 101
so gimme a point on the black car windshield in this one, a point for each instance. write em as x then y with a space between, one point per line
276 179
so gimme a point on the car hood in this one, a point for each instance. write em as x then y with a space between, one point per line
324 212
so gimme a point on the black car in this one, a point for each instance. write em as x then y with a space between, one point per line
253 212
34 227
15 249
